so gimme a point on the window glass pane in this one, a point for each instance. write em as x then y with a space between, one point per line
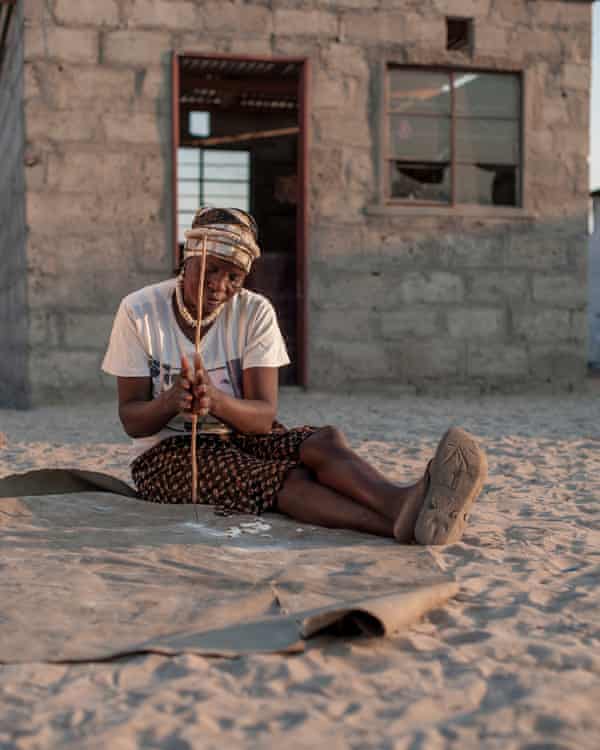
420 138
226 172
218 201
488 141
487 184
415 91
214 177
487 95
188 189
199 124
219 158
184 221
187 203
225 187
188 172
188 156
420 181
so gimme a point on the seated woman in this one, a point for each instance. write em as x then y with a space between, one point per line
247 462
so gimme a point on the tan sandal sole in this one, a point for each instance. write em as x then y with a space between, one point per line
457 475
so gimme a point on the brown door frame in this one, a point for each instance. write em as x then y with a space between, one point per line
302 210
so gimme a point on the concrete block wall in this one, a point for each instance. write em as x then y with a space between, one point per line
14 389
441 300
511 315
97 103
429 300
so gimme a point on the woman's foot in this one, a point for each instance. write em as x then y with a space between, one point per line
457 474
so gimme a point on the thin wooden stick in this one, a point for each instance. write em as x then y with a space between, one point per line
197 349
240 137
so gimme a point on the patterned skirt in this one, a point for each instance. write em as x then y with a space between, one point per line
241 474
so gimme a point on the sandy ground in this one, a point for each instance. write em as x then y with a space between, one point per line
513 662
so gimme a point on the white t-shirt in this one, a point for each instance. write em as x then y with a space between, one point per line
146 341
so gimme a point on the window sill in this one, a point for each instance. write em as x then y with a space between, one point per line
461 211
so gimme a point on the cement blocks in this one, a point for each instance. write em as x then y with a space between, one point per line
85 12
426 299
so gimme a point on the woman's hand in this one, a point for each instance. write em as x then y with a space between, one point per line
189 394
202 390
179 397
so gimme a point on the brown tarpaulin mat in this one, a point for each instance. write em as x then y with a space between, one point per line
89 574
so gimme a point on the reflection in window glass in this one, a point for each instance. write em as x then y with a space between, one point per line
420 181
487 95
210 177
467 121
495 141
487 184
419 92
420 138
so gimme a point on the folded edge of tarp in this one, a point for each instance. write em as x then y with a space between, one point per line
62 481
382 615
378 616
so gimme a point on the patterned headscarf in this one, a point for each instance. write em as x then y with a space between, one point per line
230 234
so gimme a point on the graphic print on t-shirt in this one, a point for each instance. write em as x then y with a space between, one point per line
228 378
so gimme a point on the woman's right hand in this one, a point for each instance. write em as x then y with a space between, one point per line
180 394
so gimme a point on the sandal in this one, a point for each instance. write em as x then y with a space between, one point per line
457 474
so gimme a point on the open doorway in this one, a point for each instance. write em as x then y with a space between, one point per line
239 140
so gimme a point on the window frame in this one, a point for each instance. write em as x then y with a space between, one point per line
386 199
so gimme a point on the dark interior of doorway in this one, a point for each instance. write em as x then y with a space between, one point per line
250 118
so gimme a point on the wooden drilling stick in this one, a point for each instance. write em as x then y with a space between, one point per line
197 348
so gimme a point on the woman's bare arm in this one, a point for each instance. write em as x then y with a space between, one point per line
257 410
142 416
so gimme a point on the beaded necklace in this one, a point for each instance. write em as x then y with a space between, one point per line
185 313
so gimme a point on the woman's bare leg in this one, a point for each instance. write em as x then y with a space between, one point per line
303 498
328 454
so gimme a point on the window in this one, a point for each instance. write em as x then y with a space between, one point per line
453 137
210 177
198 124
459 34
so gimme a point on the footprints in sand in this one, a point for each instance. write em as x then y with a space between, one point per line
512 663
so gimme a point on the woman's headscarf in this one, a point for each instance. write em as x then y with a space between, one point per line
230 234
